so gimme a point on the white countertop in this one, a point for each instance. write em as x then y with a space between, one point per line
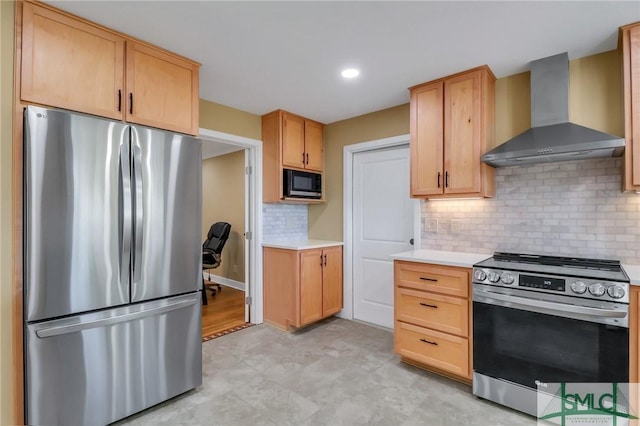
449 258
467 260
634 273
302 245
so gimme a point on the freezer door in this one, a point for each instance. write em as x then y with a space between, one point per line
167 186
101 367
75 183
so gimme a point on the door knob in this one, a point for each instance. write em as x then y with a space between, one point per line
411 241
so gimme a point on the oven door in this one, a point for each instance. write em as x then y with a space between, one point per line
548 338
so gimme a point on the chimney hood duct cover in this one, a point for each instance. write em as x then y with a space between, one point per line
552 138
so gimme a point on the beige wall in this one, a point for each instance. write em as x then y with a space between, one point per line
325 220
225 119
594 101
513 107
595 95
6 248
223 201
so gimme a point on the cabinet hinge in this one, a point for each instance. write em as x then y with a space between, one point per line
247 300
248 170
247 235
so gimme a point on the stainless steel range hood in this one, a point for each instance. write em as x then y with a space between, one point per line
552 137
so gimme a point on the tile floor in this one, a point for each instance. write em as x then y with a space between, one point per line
337 372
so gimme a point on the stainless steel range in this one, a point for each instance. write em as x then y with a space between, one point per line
546 319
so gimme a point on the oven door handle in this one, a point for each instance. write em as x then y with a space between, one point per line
486 296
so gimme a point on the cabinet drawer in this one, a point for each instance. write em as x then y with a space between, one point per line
449 314
432 348
438 279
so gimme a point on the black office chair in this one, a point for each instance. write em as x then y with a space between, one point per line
212 253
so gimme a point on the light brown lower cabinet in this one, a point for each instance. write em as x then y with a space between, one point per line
301 286
432 313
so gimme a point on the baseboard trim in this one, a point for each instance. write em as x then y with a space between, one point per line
225 281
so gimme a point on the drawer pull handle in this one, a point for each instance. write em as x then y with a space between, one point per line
429 279
429 342
429 306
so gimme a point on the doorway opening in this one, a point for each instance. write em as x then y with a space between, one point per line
233 285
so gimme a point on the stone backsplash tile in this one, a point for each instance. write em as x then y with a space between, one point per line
565 209
284 222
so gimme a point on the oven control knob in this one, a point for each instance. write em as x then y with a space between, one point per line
616 291
578 287
494 277
596 289
507 278
479 275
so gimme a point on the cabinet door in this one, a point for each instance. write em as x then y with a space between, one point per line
332 281
314 145
462 133
427 174
162 89
70 64
310 286
292 141
634 93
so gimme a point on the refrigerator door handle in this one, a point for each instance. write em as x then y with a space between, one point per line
139 206
125 249
104 322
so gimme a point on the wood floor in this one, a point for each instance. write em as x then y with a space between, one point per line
225 310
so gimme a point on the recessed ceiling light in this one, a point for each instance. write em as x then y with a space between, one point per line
350 73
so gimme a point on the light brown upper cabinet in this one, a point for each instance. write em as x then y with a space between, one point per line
302 143
162 89
630 44
289 142
451 127
71 63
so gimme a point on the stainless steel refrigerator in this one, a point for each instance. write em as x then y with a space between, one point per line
112 267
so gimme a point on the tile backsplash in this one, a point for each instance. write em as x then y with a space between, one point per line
565 209
284 222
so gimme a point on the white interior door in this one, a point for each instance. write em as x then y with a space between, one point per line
383 224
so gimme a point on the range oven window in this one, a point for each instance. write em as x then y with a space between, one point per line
522 347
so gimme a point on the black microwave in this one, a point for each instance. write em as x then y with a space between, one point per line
299 184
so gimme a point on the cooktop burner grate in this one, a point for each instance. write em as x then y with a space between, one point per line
568 262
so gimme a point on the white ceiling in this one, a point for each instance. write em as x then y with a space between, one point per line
260 56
